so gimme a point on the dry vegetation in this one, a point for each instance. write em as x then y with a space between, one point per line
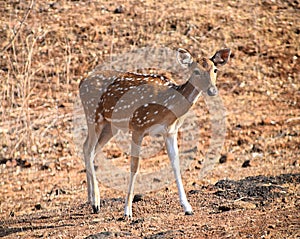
46 48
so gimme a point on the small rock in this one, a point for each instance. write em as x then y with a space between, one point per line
285 200
59 191
173 26
256 149
244 205
223 159
3 160
246 164
194 191
137 198
38 206
296 163
54 5
272 226
224 208
116 154
137 221
44 167
226 157
119 10
240 142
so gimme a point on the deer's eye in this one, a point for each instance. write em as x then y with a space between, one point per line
197 73
215 70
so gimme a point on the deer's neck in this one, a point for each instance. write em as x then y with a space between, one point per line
187 96
190 90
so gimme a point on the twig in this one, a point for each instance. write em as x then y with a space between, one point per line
239 199
20 26
292 119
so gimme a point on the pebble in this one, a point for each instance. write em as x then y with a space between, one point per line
244 205
246 164
226 157
137 198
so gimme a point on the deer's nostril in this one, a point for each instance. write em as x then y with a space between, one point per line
212 91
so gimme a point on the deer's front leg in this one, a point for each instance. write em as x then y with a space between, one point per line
134 167
172 148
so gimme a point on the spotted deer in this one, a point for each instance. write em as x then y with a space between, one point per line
143 104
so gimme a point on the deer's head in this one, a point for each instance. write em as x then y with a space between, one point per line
204 74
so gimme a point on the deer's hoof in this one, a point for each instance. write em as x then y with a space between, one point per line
127 217
189 213
96 209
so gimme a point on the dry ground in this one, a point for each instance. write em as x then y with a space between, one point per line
45 51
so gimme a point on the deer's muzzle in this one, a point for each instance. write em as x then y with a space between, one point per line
212 91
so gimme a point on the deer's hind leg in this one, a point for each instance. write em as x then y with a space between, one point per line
97 137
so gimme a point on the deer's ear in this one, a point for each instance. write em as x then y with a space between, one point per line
221 57
184 57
